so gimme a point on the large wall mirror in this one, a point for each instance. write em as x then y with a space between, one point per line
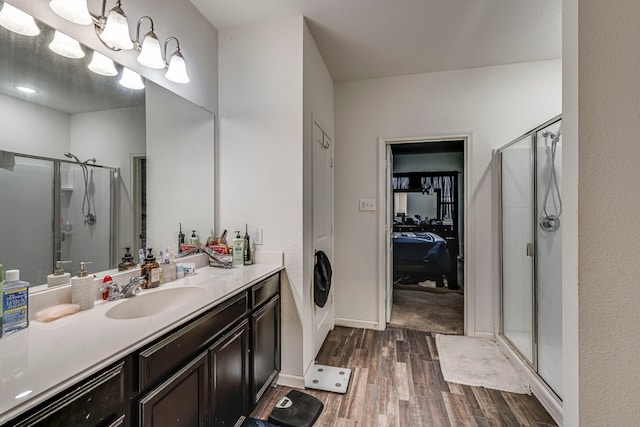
89 166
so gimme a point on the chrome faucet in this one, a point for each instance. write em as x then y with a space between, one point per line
132 288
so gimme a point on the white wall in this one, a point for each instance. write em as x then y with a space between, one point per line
198 41
608 107
261 165
180 169
31 129
570 350
497 104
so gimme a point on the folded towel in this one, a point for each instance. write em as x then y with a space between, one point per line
7 160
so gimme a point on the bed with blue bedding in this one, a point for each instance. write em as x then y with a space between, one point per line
419 256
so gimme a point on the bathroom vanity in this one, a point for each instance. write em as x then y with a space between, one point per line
203 353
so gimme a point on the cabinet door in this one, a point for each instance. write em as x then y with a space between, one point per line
229 371
99 401
265 358
179 401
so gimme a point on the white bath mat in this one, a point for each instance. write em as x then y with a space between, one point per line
328 378
478 362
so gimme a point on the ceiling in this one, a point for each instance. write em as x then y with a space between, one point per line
363 39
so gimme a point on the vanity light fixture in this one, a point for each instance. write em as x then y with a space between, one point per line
13 19
66 46
130 79
113 29
102 65
72 10
177 71
150 53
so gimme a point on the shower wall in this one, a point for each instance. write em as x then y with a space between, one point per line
531 257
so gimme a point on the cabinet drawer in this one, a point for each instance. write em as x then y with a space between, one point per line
99 401
161 358
264 290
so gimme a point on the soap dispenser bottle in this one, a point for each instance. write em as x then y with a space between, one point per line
83 289
127 261
59 276
238 250
150 270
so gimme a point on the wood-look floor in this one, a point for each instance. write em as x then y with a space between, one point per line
396 381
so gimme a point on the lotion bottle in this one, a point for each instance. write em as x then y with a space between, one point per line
59 276
83 289
15 303
238 250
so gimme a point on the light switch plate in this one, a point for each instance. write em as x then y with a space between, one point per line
368 204
257 236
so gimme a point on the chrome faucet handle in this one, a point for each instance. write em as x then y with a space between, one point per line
132 288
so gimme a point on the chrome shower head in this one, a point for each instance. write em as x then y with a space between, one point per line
72 156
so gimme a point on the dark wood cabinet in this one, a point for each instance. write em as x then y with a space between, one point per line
210 371
265 355
229 377
179 401
98 401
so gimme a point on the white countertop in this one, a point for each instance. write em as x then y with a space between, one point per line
46 358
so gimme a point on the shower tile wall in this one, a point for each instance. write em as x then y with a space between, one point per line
86 242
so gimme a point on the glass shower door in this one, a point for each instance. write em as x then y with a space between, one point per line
549 256
517 242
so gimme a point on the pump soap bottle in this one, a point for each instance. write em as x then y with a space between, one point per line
150 270
15 303
238 250
59 276
83 289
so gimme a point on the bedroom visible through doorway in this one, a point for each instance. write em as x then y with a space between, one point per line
426 202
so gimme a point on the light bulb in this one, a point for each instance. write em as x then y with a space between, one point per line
15 20
116 30
150 54
131 79
66 46
177 71
72 10
102 65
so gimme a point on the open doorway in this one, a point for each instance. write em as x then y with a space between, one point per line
426 202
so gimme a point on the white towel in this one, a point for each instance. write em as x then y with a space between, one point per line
7 160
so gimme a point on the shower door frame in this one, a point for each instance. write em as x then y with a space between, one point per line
533 364
56 214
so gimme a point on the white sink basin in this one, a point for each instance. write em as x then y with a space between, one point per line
154 303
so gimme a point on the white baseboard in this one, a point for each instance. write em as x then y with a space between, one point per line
288 380
539 388
360 324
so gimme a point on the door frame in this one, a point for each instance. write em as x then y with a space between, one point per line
384 144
